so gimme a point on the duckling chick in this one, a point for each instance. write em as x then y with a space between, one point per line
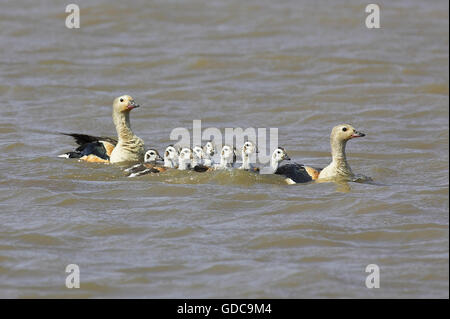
294 173
247 150
152 156
150 159
227 158
185 159
209 151
277 157
170 157
339 167
170 161
198 156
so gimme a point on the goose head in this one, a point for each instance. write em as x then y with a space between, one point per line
151 156
124 103
344 132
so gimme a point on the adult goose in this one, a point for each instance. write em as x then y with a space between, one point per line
127 148
339 167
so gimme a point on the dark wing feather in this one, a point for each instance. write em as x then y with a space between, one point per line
94 148
294 171
201 168
82 139
90 145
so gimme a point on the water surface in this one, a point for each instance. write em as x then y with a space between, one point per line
300 66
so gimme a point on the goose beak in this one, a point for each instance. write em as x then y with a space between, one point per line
132 105
358 134
159 158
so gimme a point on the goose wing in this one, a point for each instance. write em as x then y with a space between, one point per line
299 173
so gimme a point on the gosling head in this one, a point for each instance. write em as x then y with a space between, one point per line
124 104
228 154
280 155
185 158
249 148
198 152
198 155
345 132
151 156
209 148
171 153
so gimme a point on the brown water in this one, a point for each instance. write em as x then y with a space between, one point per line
300 66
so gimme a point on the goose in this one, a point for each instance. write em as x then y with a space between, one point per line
339 167
299 173
170 157
151 158
247 150
185 159
128 147
209 150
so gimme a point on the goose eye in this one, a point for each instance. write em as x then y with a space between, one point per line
121 100
344 129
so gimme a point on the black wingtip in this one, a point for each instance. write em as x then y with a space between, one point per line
200 168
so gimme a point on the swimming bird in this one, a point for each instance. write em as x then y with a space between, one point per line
151 158
185 159
198 156
171 157
128 147
339 167
277 157
209 150
227 158
170 161
247 150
